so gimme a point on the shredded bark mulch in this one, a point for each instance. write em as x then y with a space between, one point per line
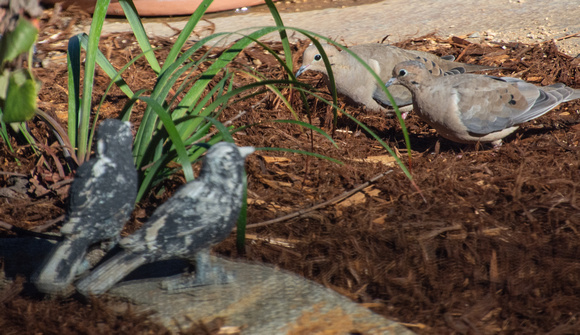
490 243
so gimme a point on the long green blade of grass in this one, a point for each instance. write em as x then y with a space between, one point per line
106 66
186 32
173 135
283 34
165 82
140 34
74 77
241 224
84 146
220 63
5 135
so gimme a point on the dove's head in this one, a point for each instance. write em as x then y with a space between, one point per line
313 60
409 74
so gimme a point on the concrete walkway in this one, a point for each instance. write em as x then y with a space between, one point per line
529 21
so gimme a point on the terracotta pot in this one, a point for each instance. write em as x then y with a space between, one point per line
160 7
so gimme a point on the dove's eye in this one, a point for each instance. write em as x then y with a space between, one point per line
402 72
317 57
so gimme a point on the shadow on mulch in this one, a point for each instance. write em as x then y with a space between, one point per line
494 248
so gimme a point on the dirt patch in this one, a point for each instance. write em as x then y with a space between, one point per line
493 247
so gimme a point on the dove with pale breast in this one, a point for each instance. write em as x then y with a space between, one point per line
473 108
354 81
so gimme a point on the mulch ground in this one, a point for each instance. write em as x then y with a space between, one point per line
489 245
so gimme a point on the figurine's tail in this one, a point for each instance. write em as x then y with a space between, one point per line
102 278
60 267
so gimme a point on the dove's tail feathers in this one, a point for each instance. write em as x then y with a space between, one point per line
475 67
60 267
105 276
575 94
562 92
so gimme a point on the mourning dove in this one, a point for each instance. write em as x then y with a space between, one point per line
356 83
200 214
474 108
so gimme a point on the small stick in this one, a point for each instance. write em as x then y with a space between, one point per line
48 224
324 204
567 36
12 174
21 231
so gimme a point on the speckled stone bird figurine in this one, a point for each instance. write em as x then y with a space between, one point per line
360 87
102 197
473 108
200 214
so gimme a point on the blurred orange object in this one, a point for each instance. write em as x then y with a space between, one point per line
159 7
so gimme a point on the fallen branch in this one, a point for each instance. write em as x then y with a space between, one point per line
324 204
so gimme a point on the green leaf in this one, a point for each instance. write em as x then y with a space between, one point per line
85 134
140 34
242 219
173 135
20 40
282 32
4 84
20 104
5 136
74 97
106 66
186 33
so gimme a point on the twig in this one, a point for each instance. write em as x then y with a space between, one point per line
21 231
264 99
567 36
435 232
324 204
419 190
60 184
48 224
61 135
51 153
414 325
274 241
12 174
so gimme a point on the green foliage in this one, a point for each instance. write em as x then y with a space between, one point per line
80 131
18 87
20 102
169 129
17 41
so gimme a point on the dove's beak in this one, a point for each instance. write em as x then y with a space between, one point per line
300 70
392 81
